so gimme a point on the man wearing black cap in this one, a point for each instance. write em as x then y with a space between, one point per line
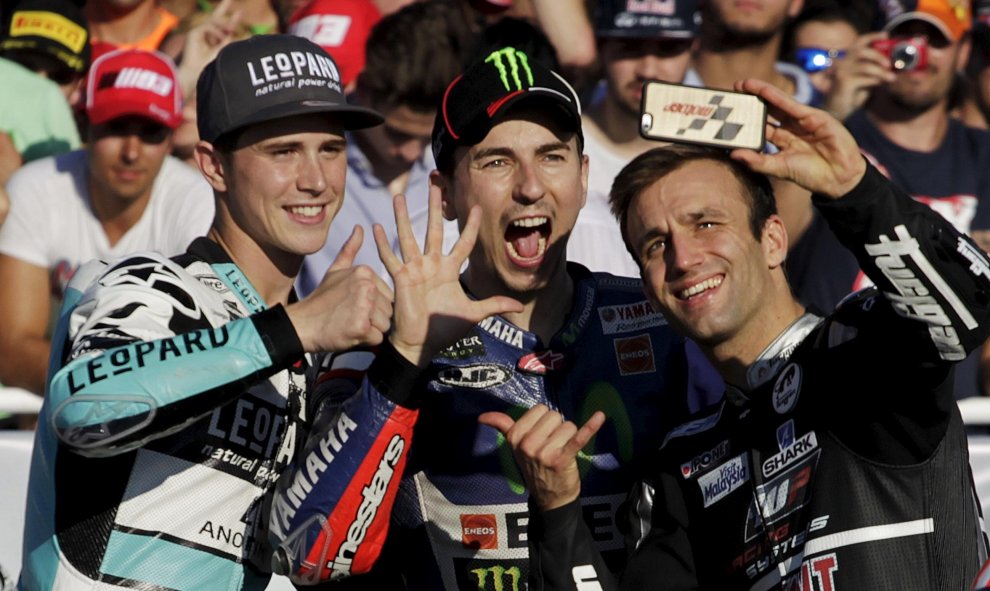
651 42
507 140
179 386
50 38
811 474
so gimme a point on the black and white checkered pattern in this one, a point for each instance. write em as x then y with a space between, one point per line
717 126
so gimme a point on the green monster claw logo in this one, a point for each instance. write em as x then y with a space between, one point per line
499 574
600 396
515 60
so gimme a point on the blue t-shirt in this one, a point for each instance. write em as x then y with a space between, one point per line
954 180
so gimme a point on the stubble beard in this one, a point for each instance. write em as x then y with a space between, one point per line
914 105
623 103
730 36
917 101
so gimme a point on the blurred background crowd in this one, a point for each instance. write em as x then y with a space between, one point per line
87 169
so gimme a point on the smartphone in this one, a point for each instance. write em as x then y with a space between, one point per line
705 116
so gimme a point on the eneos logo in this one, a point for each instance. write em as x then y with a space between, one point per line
479 531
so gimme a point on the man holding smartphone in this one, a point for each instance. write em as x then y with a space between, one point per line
811 474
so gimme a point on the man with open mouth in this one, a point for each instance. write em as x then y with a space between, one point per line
507 140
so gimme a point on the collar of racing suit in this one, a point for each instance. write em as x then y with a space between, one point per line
208 251
769 363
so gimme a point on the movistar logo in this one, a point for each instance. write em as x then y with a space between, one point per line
599 396
510 62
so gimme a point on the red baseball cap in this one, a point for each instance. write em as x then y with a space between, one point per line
341 28
134 82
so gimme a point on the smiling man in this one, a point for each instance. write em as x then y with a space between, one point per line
121 194
507 141
838 458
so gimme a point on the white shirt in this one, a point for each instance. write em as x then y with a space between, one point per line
51 223
596 241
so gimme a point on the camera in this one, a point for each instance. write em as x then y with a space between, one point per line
905 54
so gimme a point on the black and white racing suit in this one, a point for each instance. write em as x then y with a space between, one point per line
842 464
174 403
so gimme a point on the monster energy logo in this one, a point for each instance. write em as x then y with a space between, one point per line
508 62
499 576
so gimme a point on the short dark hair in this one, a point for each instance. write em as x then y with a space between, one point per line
410 57
651 166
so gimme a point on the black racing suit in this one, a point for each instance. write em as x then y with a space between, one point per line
842 463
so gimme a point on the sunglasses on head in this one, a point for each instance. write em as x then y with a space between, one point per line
816 59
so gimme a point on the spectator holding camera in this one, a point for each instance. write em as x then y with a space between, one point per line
833 46
905 124
818 38
905 129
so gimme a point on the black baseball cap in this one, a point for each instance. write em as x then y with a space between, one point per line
56 28
677 19
479 98
270 77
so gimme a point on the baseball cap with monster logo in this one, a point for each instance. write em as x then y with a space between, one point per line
479 98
